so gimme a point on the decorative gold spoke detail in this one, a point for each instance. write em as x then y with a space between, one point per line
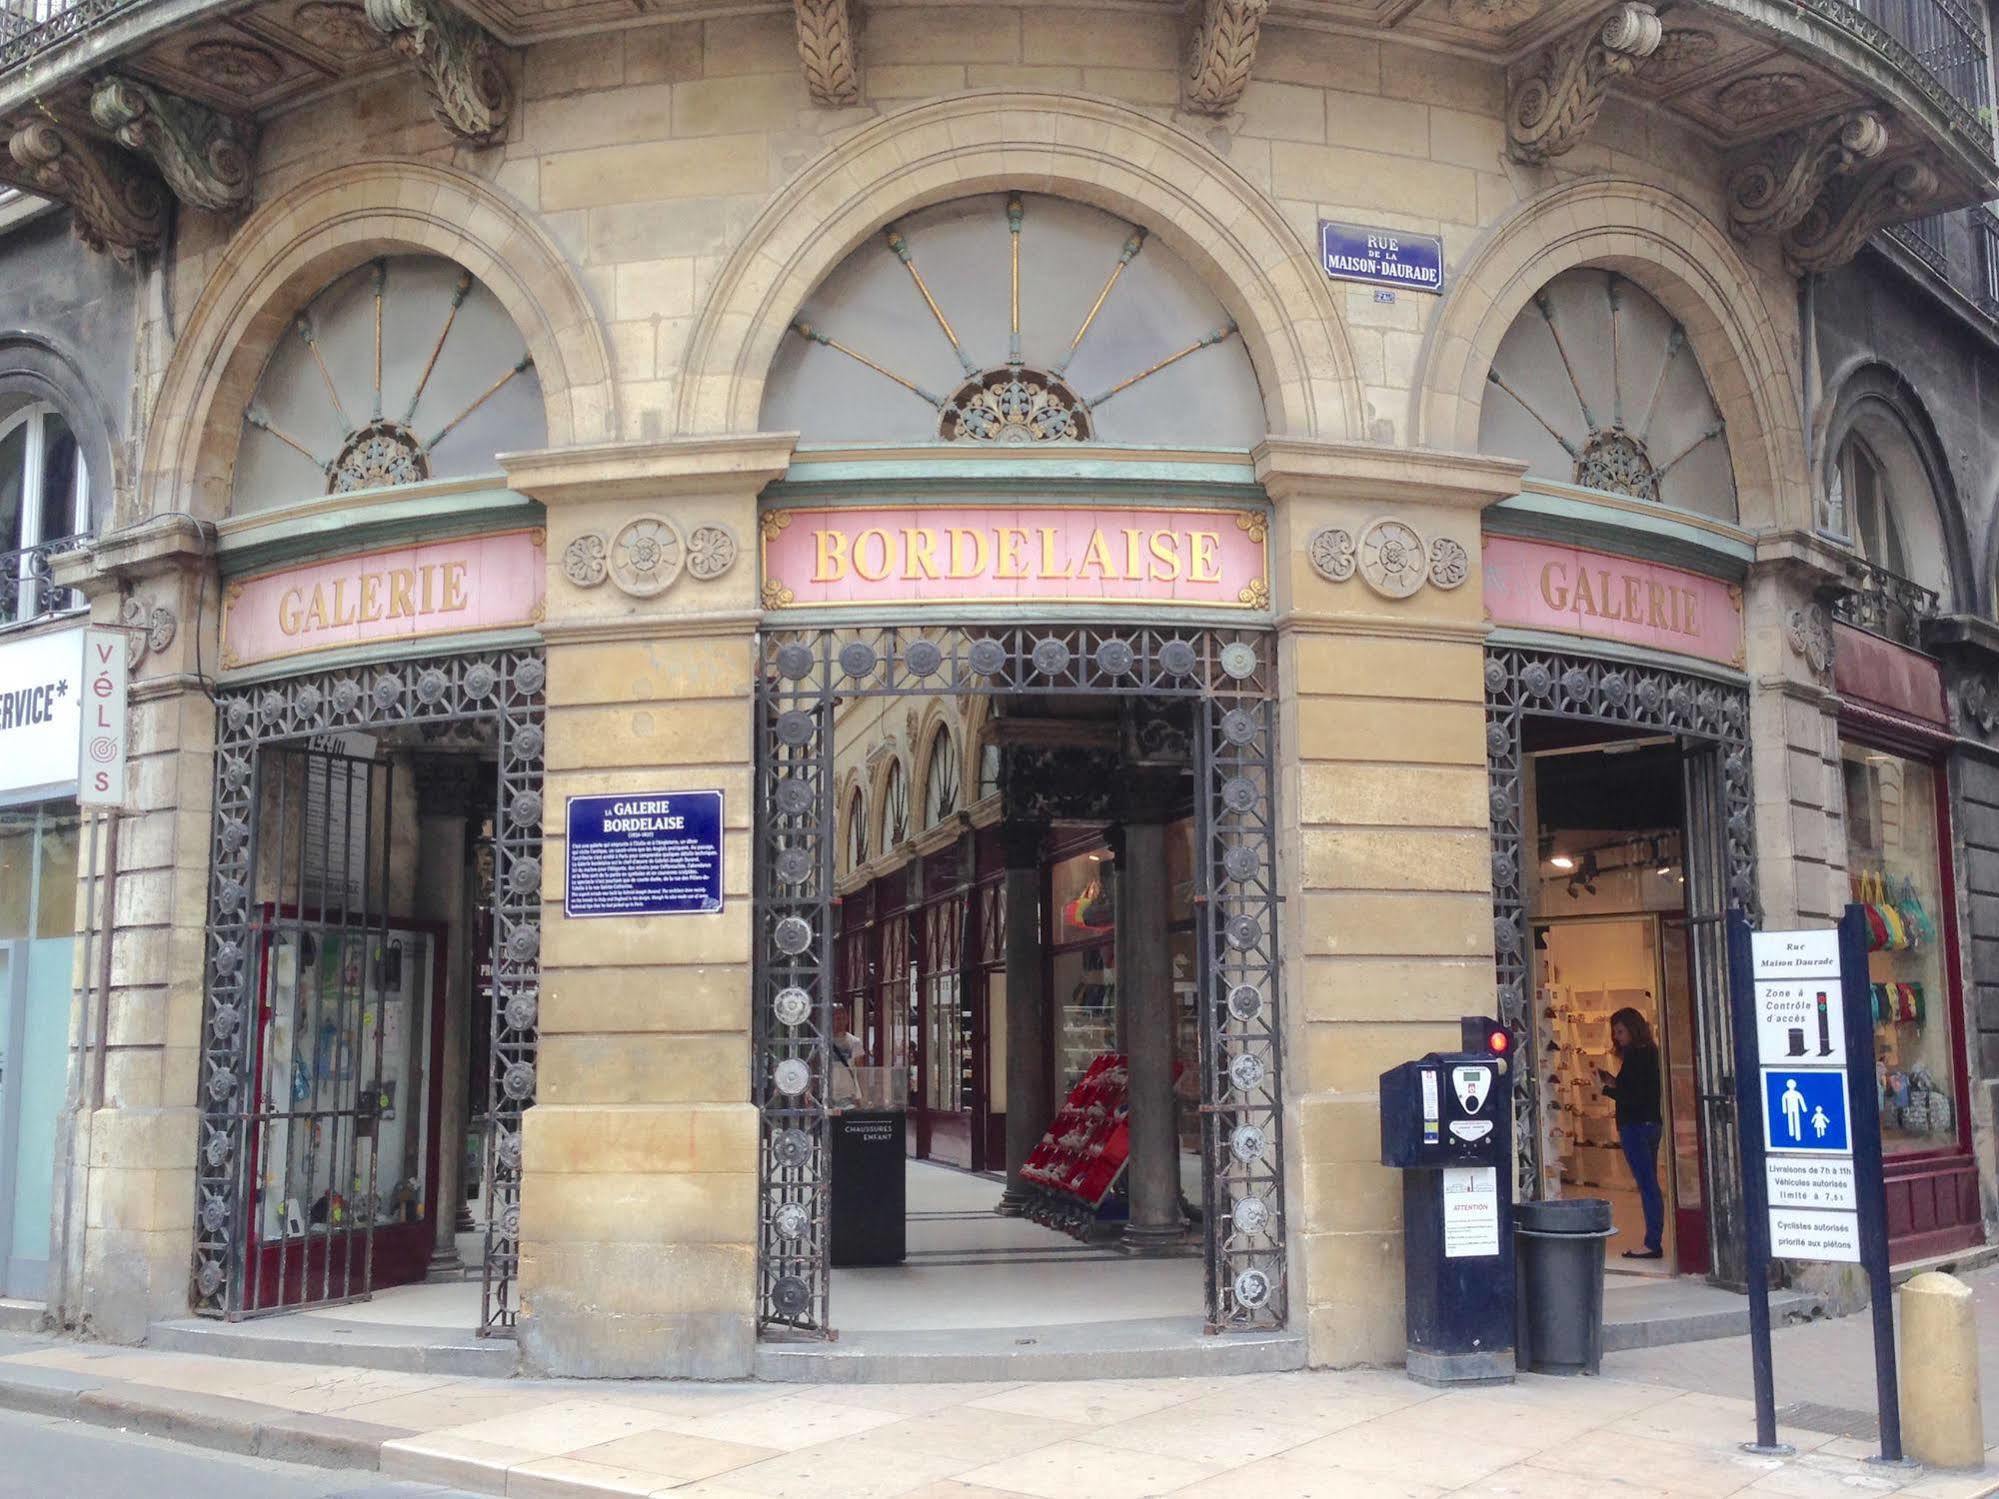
900 246
811 334
458 294
306 332
1527 406
525 361
1132 246
1547 307
1015 212
1675 341
256 418
381 284
1213 336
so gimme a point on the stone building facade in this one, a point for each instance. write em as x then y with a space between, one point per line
549 586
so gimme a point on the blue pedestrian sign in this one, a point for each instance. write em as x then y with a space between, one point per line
645 853
1804 1110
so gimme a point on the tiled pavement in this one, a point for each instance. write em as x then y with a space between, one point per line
1313 1435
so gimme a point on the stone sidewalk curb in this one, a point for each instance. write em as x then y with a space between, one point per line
218 1422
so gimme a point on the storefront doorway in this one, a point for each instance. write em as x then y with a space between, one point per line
1018 962
373 941
1610 942
1621 837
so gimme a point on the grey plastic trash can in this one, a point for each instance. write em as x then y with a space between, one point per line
1559 1285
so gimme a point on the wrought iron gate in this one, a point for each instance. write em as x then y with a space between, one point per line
1712 720
802 674
300 861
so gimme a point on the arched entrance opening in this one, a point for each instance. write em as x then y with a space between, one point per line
1016 925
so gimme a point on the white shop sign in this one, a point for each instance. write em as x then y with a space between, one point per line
62 717
1801 1182
1471 1211
1798 1235
1794 955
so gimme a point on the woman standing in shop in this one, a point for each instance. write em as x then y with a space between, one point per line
1636 1090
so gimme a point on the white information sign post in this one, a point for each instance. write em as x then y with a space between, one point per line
1807 1131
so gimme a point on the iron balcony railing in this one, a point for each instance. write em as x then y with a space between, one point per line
27 592
1883 603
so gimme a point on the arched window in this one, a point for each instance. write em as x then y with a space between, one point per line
44 499
940 779
1594 384
1015 318
406 368
1858 498
989 769
895 807
857 832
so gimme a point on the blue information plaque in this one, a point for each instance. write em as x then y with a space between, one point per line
1384 257
649 853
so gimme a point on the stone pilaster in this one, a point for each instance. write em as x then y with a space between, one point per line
639 1173
1386 860
125 1187
1794 734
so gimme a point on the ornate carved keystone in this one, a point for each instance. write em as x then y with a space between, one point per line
115 203
207 158
826 51
1224 52
468 92
1553 102
1849 209
1769 193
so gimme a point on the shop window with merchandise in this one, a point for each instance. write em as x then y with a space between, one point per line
1897 838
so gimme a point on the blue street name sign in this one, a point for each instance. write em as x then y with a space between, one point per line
647 853
1385 257
1805 1110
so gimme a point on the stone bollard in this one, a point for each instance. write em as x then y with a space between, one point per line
1942 1425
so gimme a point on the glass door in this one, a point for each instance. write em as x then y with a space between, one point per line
13 1016
1686 1192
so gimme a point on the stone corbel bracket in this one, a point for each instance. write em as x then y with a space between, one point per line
208 159
116 203
469 93
1553 100
1849 209
826 51
1771 190
1223 55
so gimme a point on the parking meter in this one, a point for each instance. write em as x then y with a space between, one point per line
1447 1122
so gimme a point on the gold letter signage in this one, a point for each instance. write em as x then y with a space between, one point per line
463 585
1024 554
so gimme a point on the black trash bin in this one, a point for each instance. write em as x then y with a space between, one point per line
1559 1289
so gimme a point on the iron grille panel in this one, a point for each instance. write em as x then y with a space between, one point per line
803 674
1520 684
503 687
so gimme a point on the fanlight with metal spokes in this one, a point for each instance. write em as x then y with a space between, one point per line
940 779
404 369
1594 384
1086 310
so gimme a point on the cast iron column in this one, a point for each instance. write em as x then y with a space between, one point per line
444 799
1029 1095
1145 1011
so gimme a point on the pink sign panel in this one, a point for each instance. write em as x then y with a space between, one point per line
1538 585
1026 554
438 588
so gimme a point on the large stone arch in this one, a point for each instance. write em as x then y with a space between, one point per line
1665 244
307 236
1093 150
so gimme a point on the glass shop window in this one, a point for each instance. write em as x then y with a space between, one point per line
1893 859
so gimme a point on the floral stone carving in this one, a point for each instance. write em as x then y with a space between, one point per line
1450 563
1332 554
826 51
1772 191
1809 634
1224 52
1554 101
586 560
711 551
1392 558
647 555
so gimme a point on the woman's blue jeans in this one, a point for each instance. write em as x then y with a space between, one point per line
1641 1153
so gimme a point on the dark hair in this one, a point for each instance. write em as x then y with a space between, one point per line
1635 1026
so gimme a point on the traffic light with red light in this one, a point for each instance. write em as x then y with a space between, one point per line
1482 1033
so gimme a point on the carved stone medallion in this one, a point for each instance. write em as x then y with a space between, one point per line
586 560
711 551
1392 558
334 26
1332 554
237 66
1450 564
647 555
1809 635
1760 95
